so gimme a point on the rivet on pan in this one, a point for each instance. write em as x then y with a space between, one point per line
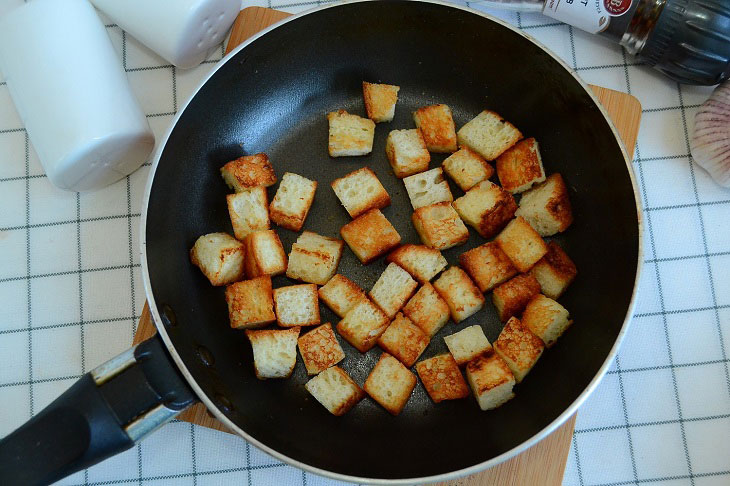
206 356
168 316
224 403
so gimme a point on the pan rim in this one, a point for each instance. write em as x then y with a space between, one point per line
542 434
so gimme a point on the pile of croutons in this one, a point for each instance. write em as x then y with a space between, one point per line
524 273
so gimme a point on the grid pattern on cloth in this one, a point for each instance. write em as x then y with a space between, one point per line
71 293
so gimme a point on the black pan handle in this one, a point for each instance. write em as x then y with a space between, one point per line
104 413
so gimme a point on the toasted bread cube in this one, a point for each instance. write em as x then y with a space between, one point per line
522 244
314 258
380 100
467 168
439 226
491 380
422 262
459 292
555 271
467 344
518 347
264 254
442 379
390 384
370 235
427 310
404 340
393 289
249 171
220 257
250 303
407 153
341 294
511 297
427 188
292 201
319 349
520 167
486 207
249 211
360 191
547 206
335 390
487 265
297 305
274 352
349 134
437 127
363 325
546 318
488 134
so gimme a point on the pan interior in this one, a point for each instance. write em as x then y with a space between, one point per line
272 97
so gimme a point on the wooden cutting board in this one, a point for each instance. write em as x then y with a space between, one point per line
543 463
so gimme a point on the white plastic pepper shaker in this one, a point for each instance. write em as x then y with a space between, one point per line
180 31
72 94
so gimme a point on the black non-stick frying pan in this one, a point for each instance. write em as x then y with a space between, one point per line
271 95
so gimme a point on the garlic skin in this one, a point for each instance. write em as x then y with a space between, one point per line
710 141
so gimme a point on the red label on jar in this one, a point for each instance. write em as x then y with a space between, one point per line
616 8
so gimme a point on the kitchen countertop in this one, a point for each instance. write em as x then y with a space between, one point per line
71 293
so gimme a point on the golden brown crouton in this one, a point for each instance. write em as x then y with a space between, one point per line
297 305
459 292
427 310
422 262
314 258
555 271
442 379
404 340
363 325
274 352
546 318
390 384
439 226
370 235
520 167
491 380
467 168
341 294
426 188
406 152
380 100
249 211
292 201
220 257
360 191
249 171
467 344
392 289
487 265
521 243
264 254
319 349
511 297
488 134
518 347
547 206
486 207
335 390
437 127
349 134
250 303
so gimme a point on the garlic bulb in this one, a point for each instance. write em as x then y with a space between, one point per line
710 142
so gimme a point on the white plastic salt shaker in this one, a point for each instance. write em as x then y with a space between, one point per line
181 31
72 94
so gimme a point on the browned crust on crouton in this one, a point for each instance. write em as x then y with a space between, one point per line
404 340
487 265
518 344
319 349
559 262
215 278
370 235
243 297
518 165
292 222
352 333
255 268
519 238
497 218
442 378
352 400
439 233
559 206
429 318
377 104
250 171
512 297
401 373
437 128
351 294
492 371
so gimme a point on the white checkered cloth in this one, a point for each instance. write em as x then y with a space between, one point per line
661 415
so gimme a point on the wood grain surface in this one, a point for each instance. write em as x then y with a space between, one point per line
544 463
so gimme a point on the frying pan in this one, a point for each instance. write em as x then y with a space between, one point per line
271 95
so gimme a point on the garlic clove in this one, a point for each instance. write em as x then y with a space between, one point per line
710 141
